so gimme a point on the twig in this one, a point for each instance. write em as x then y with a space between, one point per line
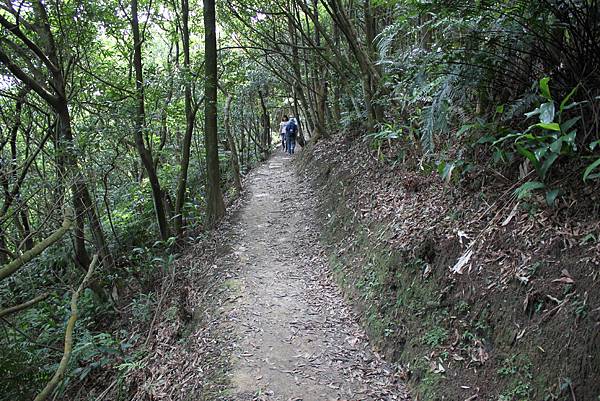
103 394
572 392
552 311
24 305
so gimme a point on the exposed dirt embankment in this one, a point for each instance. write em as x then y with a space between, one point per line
479 295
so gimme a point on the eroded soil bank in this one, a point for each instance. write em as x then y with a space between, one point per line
478 294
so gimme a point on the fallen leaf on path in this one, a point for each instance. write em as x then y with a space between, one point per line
462 261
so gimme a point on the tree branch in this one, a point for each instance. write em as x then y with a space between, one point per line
24 305
10 268
29 81
62 367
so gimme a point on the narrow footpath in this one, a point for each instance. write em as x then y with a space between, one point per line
293 336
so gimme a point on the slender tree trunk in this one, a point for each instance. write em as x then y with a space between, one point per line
320 86
301 137
140 117
370 76
235 163
82 258
215 207
81 194
266 126
244 164
297 88
190 117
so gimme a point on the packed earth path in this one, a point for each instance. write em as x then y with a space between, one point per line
292 334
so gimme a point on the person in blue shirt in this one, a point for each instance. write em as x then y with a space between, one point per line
291 130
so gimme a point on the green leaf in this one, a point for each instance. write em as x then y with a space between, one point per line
464 129
548 126
500 109
547 164
556 146
447 173
544 88
574 104
567 125
588 238
547 112
529 155
509 136
486 139
589 169
440 167
525 190
566 99
551 197
569 139
594 144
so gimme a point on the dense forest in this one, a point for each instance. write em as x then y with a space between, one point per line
127 129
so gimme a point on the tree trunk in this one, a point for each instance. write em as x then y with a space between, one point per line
190 117
235 163
265 123
82 199
215 207
370 76
297 88
140 117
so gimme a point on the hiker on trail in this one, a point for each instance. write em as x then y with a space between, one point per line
291 129
282 125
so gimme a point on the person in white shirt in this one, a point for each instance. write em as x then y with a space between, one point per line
282 125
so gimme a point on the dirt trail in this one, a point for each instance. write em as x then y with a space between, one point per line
294 337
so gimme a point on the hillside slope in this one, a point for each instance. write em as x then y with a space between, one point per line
479 295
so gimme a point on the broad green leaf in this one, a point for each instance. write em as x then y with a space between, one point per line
569 139
540 152
441 167
544 88
529 155
547 112
567 125
556 146
464 129
594 144
524 190
548 126
509 136
589 169
486 139
547 164
447 173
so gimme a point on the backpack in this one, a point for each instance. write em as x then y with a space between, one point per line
292 129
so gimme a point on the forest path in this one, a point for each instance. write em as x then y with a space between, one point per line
293 337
